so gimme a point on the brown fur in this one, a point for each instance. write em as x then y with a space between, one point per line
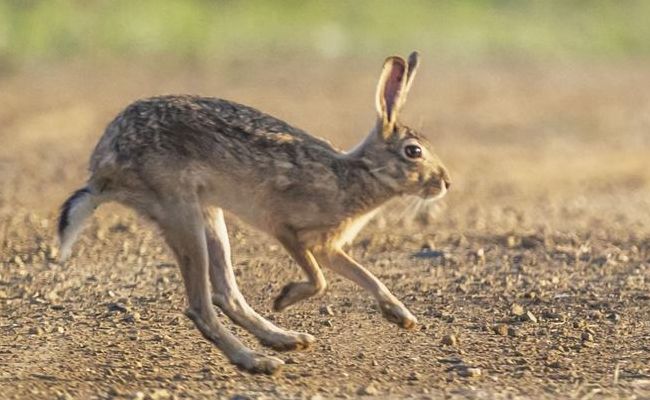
180 160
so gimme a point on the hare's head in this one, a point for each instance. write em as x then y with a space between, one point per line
400 156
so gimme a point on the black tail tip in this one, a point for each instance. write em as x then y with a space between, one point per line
67 206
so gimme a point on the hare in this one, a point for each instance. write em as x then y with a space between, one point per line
182 160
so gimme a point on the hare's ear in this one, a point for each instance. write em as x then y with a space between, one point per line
390 92
414 61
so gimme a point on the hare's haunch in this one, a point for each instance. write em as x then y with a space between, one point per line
181 160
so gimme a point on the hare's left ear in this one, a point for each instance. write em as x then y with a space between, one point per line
394 83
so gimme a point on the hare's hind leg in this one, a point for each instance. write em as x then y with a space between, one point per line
184 229
297 291
392 309
228 297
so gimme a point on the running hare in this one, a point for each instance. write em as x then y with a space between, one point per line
180 160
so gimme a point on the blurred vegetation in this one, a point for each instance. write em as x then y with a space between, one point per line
38 30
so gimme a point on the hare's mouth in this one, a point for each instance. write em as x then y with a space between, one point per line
436 192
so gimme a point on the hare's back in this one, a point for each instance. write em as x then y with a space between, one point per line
196 128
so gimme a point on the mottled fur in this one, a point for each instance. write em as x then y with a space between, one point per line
180 160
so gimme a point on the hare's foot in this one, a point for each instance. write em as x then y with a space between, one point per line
294 292
268 334
288 340
257 363
298 291
236 352
393 309
398 314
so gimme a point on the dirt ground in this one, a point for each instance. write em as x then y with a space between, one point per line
530 280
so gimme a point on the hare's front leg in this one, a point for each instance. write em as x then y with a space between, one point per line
183 227
391 307
228 297
296 291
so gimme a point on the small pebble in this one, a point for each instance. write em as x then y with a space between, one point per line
531 295
131 318
595 315
551 315
160 394
517 310
586 336
512 241
179 377
327 310
501 330
36 330
480 255
414 376
368 390
531 317
138 396
113 307
449 340
469 372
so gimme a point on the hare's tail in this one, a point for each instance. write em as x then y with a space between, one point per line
76 209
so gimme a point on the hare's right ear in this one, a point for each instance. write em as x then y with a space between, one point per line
391 91
414 61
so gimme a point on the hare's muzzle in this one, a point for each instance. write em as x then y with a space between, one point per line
438 186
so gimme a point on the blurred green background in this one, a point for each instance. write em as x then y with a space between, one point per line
55 30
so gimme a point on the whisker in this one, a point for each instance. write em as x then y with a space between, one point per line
421 209
405 209
413 208
406 212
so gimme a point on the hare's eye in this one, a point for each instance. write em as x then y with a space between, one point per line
413 151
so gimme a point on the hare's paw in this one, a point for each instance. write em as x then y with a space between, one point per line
293 293
288 341
398 314
257 363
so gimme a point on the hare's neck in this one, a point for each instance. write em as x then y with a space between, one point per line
366 187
